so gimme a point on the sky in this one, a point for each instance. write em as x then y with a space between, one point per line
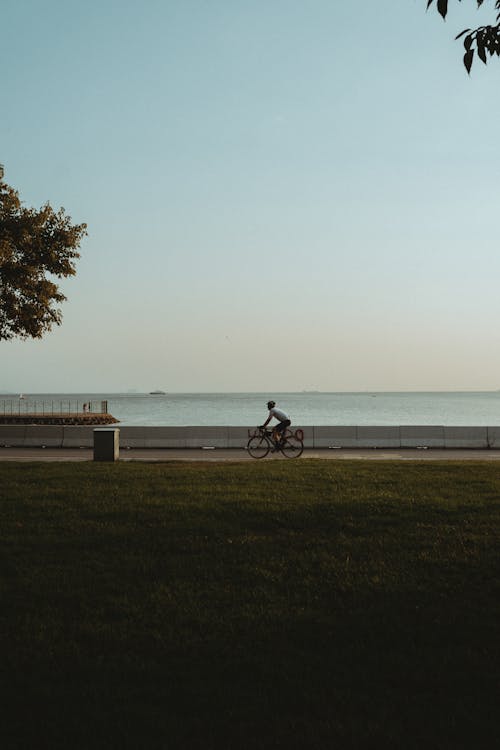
281 195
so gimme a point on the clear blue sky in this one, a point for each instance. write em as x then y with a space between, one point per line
280 194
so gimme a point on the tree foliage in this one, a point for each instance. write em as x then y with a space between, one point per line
483 41
37 247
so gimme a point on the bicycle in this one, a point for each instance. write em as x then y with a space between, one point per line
262 441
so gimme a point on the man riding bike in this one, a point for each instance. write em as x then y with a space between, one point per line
283 419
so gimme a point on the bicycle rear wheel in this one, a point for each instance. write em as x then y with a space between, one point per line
258 446
292 447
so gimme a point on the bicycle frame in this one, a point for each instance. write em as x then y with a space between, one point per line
265 432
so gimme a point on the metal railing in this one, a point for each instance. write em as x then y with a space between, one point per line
70 407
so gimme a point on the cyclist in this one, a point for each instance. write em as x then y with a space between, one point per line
283 419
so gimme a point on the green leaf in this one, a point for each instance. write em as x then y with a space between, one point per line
468 58
481 50
442 6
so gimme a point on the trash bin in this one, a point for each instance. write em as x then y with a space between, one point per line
106 444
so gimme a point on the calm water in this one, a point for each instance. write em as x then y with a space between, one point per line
465 408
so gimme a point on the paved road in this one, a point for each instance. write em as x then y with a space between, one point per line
225 455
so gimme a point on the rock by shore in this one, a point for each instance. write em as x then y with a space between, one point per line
58 419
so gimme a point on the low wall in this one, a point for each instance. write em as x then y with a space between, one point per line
411 436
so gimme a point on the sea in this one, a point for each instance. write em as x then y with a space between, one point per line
470 408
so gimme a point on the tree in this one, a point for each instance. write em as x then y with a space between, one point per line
36 247
485 40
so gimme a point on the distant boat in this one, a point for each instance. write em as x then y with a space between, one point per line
21 395
157 393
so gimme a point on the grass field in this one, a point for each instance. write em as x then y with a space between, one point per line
309 604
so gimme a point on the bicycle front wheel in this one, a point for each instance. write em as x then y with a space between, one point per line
292 447
258 446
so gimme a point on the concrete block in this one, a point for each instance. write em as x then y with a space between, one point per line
378 437
165 437
47 436
493 437
206 437
78 436
335 436
176 437
237 437
466 437
152 437
106 444
416 436
134 437
12 435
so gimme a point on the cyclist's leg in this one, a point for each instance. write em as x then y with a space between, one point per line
280 430
275 437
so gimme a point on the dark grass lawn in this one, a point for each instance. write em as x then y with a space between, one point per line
309 604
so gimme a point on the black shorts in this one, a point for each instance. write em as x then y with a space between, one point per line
282 426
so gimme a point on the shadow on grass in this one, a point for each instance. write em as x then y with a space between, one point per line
400 670
170 609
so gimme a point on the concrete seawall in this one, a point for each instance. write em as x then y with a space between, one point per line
333 437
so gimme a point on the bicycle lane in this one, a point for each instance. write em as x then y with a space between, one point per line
237 454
